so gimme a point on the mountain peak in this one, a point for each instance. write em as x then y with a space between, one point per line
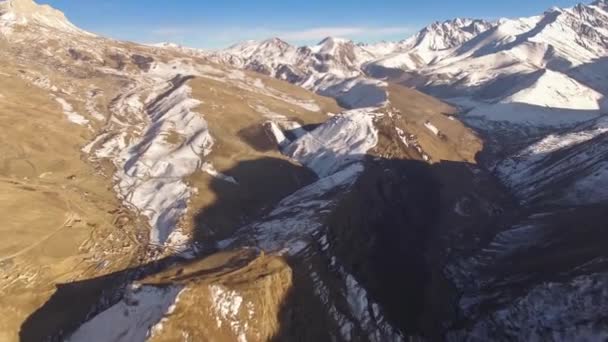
329 45
333 40
276 41
23 12
442 35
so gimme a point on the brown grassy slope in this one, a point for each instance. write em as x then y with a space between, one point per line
243 150
58 214
262 281
460 143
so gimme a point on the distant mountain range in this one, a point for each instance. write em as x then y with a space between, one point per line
485 67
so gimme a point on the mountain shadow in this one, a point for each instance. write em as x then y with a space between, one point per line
380 231
74 303
392 232
261 184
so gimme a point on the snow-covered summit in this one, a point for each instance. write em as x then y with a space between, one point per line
431 43
494 62
332 58
269 47
447 34
329 45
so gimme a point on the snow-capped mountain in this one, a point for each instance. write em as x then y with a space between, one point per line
430 44
332 57
543 72
445 35
341 58
333 67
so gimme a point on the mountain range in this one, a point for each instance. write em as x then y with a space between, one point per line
448 186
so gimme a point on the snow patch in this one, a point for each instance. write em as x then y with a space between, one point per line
344 139
151 177
70 114
278 135
210 170
431 128
228 305
132 319
579 152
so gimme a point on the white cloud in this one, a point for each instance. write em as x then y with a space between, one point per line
348 32
225 36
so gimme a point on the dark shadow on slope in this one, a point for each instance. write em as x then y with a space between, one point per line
594 75
74 303
292 133
262 183
571 237
547 20
401 217
392 231
503 138
390 216
359 95
257 137
547 245
382 72
302 316
507 85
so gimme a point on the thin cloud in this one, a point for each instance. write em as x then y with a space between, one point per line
348 32
230 35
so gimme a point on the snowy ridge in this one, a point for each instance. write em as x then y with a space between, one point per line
342 140
157 143
533 71
180 48
446 35
575 159
335 152
542 71
527 302
154 167
431 43
151 167
322 68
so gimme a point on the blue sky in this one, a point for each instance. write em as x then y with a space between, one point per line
219 23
